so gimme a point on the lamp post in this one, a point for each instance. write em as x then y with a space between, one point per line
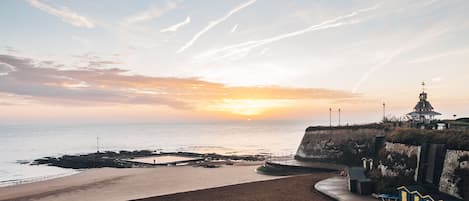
384 112
330 117
97 144
339 117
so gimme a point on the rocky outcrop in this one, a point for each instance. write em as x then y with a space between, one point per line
455 172
399 160
346 145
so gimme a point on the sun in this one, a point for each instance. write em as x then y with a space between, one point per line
247 107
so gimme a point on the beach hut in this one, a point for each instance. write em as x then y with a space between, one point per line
414 193
417 193
367 164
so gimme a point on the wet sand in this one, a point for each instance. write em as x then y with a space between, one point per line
109 184
297 188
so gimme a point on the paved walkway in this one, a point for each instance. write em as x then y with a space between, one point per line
336 188
292 163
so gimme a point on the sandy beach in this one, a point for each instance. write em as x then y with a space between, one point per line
295 188
109 184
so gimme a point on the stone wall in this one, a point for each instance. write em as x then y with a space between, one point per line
342 145
455 174
397 159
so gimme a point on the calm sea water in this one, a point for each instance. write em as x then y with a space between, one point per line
23 143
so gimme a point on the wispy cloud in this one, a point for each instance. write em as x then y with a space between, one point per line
11 50
64 13
177 26
235 27
438 56
150 14
213 24
243 48
96 86
5 69
420 40
12 100
437 79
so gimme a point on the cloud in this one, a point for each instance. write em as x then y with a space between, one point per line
243 48
11 50
150 14
67 15
213 24
434 57
235 27
92 61
412 44
5 69
93 86
177 26
437 79
7 99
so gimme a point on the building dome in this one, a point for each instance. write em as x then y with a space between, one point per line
423 110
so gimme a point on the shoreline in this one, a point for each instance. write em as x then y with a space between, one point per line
76 163
133 183
15 182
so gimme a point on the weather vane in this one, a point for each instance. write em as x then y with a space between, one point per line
423 86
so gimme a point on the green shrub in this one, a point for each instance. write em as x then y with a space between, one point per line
453 139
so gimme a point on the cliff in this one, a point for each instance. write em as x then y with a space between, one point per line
433 158
345 145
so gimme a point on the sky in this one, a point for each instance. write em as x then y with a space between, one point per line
187 60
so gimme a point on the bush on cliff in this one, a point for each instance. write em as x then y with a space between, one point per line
350 127
453 139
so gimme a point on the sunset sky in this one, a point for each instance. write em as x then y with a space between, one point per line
205 60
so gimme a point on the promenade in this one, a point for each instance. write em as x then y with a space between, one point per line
336 188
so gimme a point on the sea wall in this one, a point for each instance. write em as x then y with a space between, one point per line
346 145
396 159
455 175
401 156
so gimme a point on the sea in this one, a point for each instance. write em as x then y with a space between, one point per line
20 144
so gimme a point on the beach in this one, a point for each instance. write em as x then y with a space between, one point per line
295 188
111 184
22 144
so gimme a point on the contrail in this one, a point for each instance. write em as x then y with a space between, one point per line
213 24
67 15
417 42
246 46
177 26
234 28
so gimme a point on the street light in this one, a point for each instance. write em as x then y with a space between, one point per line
339 117
384 112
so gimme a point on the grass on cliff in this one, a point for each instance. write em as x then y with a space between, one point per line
453 139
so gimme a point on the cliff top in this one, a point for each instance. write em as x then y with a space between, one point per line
353 127
453 139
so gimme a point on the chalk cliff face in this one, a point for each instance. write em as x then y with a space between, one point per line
455 174
397 159
343 145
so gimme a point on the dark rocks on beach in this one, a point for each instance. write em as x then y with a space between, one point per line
116 159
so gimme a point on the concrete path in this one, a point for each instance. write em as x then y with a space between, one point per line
336 188
292 163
